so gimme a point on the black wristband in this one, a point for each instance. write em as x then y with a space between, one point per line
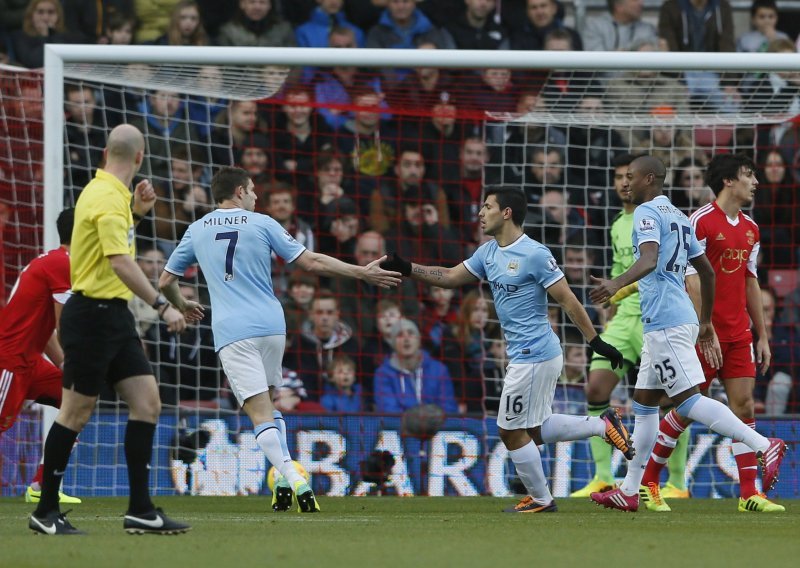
160 301
136 217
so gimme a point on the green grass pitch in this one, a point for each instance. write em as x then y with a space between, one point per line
233 532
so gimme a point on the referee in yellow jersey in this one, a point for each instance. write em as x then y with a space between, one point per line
99 336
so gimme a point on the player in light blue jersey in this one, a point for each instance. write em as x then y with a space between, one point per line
234 246
521 273
664 243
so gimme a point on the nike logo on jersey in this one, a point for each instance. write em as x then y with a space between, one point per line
720 237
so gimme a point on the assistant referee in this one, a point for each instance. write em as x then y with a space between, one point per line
99 335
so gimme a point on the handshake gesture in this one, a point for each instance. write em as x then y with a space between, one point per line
395 263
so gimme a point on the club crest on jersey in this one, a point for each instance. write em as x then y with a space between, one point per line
513 268
647 225
751 238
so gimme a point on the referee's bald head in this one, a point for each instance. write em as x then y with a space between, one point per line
124 143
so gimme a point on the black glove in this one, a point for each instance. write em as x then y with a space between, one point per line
608 351
396 264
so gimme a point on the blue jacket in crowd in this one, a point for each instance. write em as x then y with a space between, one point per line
314 33
335 400
396 392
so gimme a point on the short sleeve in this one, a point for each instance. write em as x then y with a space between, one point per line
646 225
113 232
476 264
282 242
544 269
183 256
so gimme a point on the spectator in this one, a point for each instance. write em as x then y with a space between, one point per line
321 337
424 87
663 140
182 199
701 26
338 85
204 110
328 184
776 211
370 145
337 228
256 159
785 343
542 18
546 170
291 396
189 371
121 104
496 91
403 26
689 191
385 210
619 29
553 222
185 26
639 91
154 17
85 138
420 235
215 14
244 129
464 193
151 261
365 13
118 29
438 314
376 348
342 393
763 21
579 261
85 18
474 28
279 203
777 92
328 14
570 397
43 23
565 89
299 135
256 24
411 377
464 345
165 126
301 289
441 136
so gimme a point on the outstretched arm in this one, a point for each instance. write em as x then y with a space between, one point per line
644 265
433 275
325 265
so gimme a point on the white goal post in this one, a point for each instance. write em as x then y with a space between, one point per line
76 61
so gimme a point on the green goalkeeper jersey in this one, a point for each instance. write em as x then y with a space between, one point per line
622 244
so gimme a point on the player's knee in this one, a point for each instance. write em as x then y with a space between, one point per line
743 409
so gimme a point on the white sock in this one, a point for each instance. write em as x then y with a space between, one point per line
645 432
281 424
528 462
721 420
562 427
269 439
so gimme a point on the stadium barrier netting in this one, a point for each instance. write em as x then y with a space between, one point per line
353 160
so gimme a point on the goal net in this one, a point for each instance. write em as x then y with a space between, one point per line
357 152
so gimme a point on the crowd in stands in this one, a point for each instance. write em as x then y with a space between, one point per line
355 162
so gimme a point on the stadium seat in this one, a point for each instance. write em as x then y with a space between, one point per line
783 281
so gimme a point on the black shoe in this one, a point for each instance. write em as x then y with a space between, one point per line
154 522
282 497
54 523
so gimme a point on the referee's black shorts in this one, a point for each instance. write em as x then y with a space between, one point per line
100 343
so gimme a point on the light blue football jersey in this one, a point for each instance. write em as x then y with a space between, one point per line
665 302
519 275
234 250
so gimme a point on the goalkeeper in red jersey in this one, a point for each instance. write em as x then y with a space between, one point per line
624 331
731 242
27 332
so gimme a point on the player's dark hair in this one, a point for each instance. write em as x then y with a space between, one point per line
64 224
623 160
225 182
725 167
511 197
759 4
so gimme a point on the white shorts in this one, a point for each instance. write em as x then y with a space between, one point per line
669 360
528 390
253 365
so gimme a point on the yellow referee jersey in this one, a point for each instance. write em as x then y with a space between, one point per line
103 227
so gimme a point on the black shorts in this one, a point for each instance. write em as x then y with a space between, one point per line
100 343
